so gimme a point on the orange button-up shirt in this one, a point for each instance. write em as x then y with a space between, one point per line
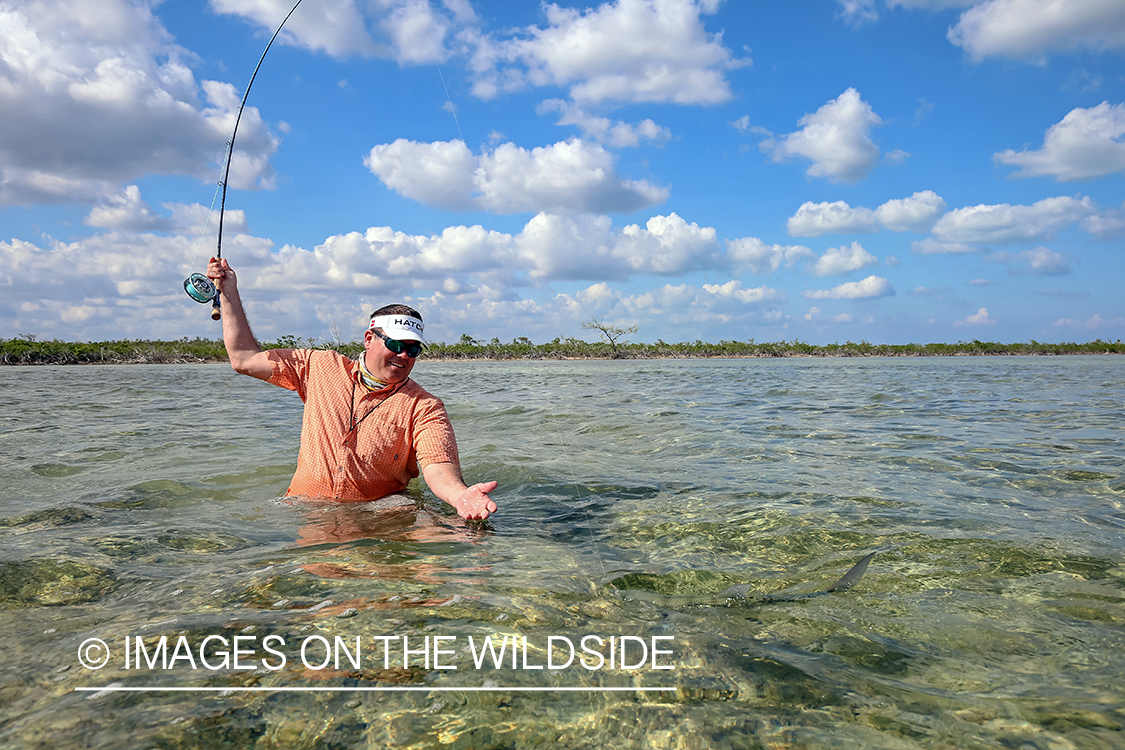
357 444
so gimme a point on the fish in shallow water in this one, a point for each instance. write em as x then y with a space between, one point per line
738 595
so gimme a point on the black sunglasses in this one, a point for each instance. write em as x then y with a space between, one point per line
412 349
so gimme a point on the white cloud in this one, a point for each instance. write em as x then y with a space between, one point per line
675 312
101 284
102 277
742 125
668 245
872 286
1045 261
93 99
690 306
569 176
839 261
1086 144
586 247
411 32
856 12
1004 223
915 214
836 138
930 4
569 247
1031 28
336 27
619 52
815 219
1083 80
27 186
598 296
684 308
734 291
127 211
930 246
979 318
896 157
604 130
361 260
753 255
1041 261
572 175
1093 323
550 247
437 174
191 219
1106 225
416 30
462 10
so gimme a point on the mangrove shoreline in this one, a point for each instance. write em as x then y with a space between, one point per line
27 350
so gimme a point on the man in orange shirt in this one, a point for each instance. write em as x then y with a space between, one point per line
367 427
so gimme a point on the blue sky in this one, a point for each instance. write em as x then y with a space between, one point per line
883 170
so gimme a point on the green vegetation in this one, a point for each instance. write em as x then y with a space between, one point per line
569 348
612 334
27 350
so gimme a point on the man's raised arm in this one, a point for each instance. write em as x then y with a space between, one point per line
245 355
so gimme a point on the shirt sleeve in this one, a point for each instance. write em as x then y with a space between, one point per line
434 442
290 369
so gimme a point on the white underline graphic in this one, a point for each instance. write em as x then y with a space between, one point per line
411 688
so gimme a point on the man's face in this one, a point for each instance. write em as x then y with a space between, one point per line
383 363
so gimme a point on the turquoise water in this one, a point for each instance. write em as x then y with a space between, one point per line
141 501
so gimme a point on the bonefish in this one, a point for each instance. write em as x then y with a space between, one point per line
739 595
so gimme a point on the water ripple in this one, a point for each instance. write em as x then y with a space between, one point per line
993 615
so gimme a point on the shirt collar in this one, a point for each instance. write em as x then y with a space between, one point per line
370 382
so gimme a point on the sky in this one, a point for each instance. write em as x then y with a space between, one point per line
889 171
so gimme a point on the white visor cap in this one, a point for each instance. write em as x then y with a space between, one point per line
400 327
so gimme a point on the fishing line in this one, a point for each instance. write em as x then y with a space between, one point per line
199 287
550 417
206 223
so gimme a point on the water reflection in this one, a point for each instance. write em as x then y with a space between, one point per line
394 539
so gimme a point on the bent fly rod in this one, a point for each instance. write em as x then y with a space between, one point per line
199 287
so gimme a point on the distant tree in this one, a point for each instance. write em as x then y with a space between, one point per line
336 341
612 334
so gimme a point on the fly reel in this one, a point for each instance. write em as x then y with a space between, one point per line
200 289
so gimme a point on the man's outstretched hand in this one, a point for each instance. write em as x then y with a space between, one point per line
475 504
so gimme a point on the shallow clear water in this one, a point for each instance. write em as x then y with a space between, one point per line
140 501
